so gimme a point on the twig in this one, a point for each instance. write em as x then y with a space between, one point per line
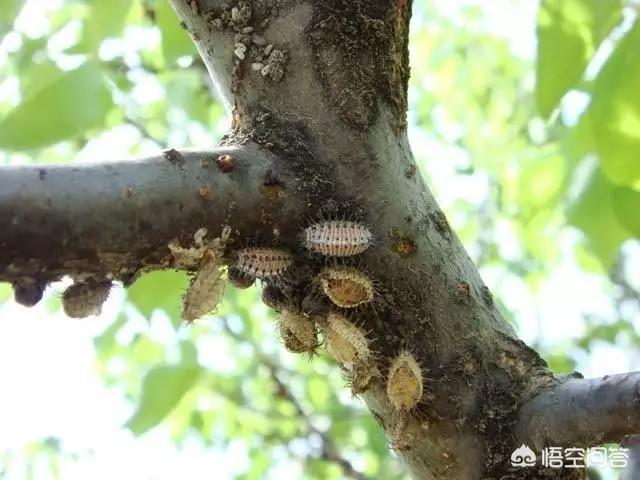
329 452
144 132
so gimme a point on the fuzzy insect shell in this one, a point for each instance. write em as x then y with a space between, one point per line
337 238
404 383
84 299
263 262
206 288
298 332
346 287
345 342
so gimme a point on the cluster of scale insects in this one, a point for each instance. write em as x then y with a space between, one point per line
345 286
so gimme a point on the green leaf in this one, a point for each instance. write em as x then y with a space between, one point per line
605 332
176 42
161 290
318 392
184 90
163 388
106 340
615 112
541 181
626 204
560 362
69 105
105 18
569 31
577 142
8 13
6 292
593 213
37 76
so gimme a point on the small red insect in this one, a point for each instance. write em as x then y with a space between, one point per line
226 163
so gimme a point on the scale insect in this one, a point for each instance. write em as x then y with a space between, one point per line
83 299
298 333
346 287
336 238
263 262
207 285
345 341
404 382
205 290
349 345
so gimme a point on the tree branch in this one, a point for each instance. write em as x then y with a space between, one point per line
331 109
582 412
113 219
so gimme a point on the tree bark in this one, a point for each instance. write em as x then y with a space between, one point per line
579 412
116 219
632 470
320 133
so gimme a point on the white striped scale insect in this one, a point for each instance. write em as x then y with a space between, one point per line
337 238
263 262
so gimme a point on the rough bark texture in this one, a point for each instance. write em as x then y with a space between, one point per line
319 134
632 470
116 219
580 411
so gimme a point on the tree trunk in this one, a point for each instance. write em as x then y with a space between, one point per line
318 94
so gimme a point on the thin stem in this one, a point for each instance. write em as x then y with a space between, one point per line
329 452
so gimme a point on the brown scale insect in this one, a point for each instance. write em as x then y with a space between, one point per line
404 382
28 291
346 287
263 262
207 285
205 289
345 341
349 345
83 299
297 332
336 238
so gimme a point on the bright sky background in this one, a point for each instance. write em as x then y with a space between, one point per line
50 385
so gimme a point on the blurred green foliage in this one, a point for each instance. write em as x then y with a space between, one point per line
548 164
69 104
569 32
